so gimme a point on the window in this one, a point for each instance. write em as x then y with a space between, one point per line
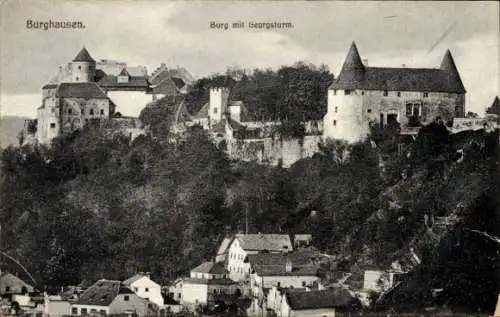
215 110
334 122
74 311
362 93
91 112
70 111
426 94
103 312
336 108
279 284
457 111
7 289
52 125
335 91
93 310
82 111
102 112
83 311
215 291
77 78
409 109
79 67
386 93
399 93
347 92
126 298
303 283
147 289
136 289
369 110
52 109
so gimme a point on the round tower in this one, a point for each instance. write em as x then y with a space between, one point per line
83 67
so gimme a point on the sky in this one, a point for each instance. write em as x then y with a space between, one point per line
148 33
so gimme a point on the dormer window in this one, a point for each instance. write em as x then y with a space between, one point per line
399 93
386 93
347 92
426 94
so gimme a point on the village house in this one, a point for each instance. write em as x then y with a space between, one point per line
175 290
146 288
294 270
245 244
11 284
108 297
56 306
379 281
208 283
318 303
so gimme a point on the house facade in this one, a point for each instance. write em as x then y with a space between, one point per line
146 288
245 244
207 283
362 96
11 284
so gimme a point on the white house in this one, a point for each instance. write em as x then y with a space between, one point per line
207 283
245 244
108 297
146 288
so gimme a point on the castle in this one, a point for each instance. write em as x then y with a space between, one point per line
360 96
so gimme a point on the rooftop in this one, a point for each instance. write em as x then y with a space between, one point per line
261 242
83 56
102 293
355 75
329 298
210 268
80 90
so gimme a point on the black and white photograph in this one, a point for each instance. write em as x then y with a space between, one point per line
249 158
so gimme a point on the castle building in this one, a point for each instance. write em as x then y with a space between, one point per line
362 96
86 91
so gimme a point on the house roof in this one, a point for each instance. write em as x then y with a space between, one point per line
300 257
219 127
102 293
49 86
224 246
134 278
210 268
202 113
495 107
83 56
329 298
111 81
80 90
124 72
261 242
179 83
8 279
355 75
216 281
280 270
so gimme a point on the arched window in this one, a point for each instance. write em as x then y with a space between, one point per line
91 112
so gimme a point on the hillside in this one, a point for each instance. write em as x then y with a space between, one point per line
10 126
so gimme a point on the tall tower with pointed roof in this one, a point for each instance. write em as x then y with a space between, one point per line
83 67
363 96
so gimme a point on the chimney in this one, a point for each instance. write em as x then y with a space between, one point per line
288 266
148 274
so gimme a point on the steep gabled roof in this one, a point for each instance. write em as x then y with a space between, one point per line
210 268
495 107
134 278
354 75
83 56
80 90
329 298
135 82
261 242
124 72
102 293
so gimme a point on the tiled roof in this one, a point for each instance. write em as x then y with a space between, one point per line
280 270
134 278
210 267
224 246
178 82
329 298
216 281
300 258
49 86
495 107
110 81
261 242
124 72
203 113
83 56
102 293
354 75
80 90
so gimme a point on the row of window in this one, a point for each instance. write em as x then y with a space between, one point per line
236 256
385 93
136 289
91 111
237 269
84 311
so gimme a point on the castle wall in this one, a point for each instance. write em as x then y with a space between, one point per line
78 111
48 120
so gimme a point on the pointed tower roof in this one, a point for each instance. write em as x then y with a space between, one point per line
495 107
83 56
353 70
454 80
124 72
